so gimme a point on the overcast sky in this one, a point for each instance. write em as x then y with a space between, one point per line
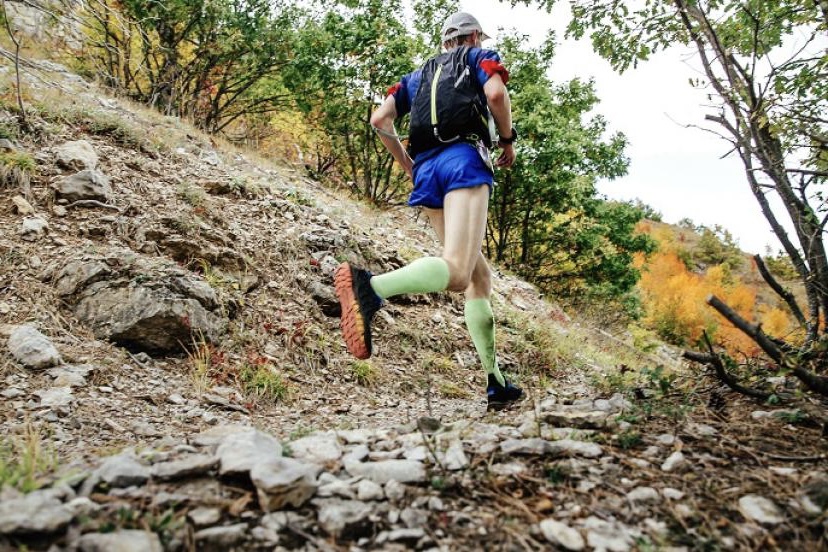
676 170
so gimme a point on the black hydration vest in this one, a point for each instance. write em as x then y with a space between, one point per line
447 107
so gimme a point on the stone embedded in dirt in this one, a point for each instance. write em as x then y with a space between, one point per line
284 481
37 512
325 297
760 509
611 536
122 470
33 228
86 184
77 155
70 375
32 349
562 534
322 239
403 471
339 517
414 517
22 206
409 536
701 430
320 448
330 485
142 303
675 461
202 517
672 494
394 491
190 465
595 419
240 452
454 458
55 397
222 538
563 447
368 490
644 495
124 540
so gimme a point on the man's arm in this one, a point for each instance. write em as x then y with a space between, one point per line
383 120
501 108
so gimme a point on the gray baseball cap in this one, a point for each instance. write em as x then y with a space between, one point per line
461 24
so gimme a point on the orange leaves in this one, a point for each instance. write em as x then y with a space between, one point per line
675 304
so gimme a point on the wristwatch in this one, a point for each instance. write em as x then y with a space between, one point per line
510 140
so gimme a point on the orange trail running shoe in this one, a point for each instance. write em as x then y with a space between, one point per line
359 303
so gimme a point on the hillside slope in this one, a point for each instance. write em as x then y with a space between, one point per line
186 290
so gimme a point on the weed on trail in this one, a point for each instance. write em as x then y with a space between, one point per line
26 459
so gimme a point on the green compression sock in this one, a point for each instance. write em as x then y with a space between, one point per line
425 275
480 322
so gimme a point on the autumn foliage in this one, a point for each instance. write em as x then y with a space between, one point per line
674 299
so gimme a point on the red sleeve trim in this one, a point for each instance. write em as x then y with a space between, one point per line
490 67
393 90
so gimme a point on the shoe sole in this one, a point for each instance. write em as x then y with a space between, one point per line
351 322
503 405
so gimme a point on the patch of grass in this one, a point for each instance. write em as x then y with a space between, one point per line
791 417
243 186
192 194
629 439
98 123
297 197
201 359
25 461
364 372
556 474
300 431
452 391
438 364
16 169
263 381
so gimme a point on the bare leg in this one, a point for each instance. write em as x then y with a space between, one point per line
461 227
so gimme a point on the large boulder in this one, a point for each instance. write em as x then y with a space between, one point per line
32 349
86 184
144 304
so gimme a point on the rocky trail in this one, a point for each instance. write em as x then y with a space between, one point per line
173 378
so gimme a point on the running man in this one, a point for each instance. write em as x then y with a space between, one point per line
453 179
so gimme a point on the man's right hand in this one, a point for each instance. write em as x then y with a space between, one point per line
507 156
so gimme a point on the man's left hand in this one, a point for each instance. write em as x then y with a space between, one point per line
507 157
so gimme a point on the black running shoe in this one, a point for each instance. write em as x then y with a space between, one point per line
359 303
501 396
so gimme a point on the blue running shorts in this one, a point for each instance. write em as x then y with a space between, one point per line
453 167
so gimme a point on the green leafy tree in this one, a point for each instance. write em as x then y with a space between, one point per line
769 102
716 246
547 222
214 61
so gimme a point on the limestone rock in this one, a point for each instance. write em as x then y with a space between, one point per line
123 470
86 184
320 448
221 538
204 516
192 464
611 535
22 206
145 304
240 452
339 517
675 461
595 419
33 228
403 471
77 155
32 349
644 495
562 535
368 490
284 481
760 509
454 458
55 396
125 540
563 447
36 512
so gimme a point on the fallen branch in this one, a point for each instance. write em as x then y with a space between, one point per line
715 360
754 331
92 203
817 458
